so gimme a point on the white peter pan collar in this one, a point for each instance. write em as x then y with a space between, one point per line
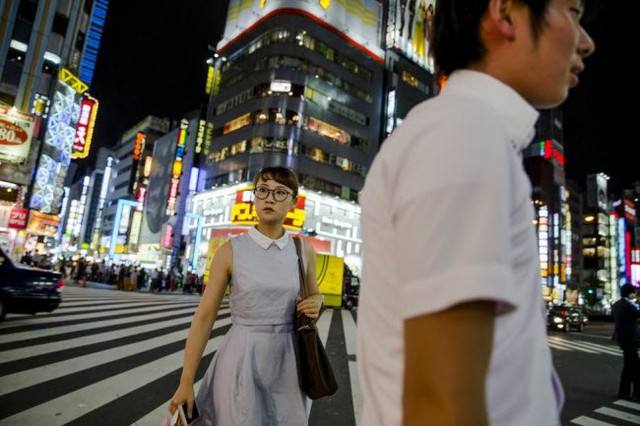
265 242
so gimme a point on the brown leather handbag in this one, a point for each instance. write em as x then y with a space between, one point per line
315 373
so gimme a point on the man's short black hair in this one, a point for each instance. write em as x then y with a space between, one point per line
628 289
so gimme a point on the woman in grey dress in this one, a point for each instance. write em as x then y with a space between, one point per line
252 379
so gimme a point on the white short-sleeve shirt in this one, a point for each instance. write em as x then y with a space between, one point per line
447 218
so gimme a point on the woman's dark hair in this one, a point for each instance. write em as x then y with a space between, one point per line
456 33
282 175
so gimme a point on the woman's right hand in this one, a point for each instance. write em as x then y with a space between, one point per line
183 394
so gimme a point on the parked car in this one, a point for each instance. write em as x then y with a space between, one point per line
566 318
27 290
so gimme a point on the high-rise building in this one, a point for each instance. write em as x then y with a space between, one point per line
544 163
313 85
298 84
130 177
46 112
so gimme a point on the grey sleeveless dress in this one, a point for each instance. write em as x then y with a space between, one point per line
252 379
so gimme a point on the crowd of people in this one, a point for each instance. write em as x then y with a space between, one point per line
124 276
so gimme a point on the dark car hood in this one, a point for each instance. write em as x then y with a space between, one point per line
33 269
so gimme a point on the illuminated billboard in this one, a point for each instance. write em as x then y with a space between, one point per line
410 29
358 20
176 170
16 131
84 128
58 144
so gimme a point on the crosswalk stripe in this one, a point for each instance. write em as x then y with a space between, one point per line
129 304
558 347
137 315
588 421
628 404
587 345
631 418
566 344
16 354
66 408
14 382
96 314
583 346
610 349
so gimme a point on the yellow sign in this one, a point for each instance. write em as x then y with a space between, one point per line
76 84
329 274
214 245
245 214
244 211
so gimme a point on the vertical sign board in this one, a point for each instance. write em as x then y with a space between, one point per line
410 29
84 128
176 171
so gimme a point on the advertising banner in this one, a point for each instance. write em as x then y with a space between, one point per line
43 224
84 128
359 20
14 218
60 136
16 131
329 274
410 29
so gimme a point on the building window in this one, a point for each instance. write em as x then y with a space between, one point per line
237 123
60 24
334 133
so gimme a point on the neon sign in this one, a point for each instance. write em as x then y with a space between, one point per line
84 128
176 170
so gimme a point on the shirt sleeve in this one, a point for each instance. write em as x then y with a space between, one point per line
452 224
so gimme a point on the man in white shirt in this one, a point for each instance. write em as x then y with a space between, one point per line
451 319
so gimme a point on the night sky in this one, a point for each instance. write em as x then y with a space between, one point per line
152 61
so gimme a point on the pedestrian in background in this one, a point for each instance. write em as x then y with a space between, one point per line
625 316
451 320
252 379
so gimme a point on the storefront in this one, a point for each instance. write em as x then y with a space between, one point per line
331 224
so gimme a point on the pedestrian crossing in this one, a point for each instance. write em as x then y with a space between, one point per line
106 357
114 358
561 344
627 411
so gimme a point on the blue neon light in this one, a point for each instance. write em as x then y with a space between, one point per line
116 224
92 43
196 249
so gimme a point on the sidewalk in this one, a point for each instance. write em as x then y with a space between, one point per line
103 286
90 284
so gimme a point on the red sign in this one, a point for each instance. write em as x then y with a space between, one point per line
84 129
18 218
12 134
173 197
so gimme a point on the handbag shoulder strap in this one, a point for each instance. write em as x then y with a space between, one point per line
303 281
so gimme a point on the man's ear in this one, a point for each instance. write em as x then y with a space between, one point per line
499 12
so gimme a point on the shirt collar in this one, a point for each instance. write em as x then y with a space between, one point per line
265 242
519 116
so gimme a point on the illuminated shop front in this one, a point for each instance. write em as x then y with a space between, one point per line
331 224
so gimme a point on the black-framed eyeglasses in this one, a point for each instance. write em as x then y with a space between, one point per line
279 194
